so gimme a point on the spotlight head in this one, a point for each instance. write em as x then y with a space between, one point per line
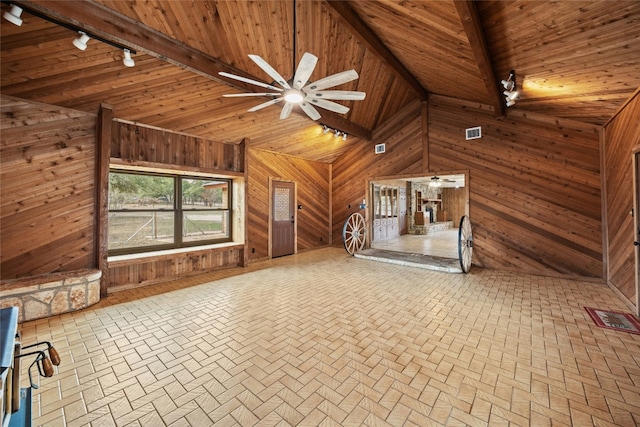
325 129
127 60
510 102
81 41
13 15
508 84
344 136
337 133
510 94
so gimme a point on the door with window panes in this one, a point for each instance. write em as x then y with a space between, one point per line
386 208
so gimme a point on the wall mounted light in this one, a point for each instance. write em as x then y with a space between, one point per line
511 89
81 41
128 60
13 15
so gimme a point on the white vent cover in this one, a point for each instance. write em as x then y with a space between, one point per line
474 133
379 148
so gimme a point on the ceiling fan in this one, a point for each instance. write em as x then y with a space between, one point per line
298 90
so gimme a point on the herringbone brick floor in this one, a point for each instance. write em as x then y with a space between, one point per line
324 339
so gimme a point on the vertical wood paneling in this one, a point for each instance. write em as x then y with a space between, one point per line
47 159
312 186
453 201
622 135
534 188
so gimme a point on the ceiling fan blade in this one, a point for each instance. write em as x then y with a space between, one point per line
270 71
246 80
286 110
265 104
328 105
305 68
311 112
332 80
338 94
238 95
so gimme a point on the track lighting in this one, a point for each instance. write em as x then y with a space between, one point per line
128 60
81 41
336 133
13 15
511 91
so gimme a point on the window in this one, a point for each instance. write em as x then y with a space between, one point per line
153 211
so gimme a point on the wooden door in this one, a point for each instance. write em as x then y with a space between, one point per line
283 219
636 218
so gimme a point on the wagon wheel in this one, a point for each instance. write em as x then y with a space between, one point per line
353 233
465 244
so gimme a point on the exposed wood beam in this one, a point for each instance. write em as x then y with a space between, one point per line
471 23
362 31
108 24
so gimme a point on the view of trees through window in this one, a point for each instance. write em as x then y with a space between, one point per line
158 211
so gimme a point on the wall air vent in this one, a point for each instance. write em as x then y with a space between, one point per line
379 148
474 133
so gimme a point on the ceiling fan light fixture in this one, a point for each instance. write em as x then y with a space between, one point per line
435 182
294 96
13 15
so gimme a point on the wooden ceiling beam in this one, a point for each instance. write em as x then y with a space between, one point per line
96 19
470 20
362 31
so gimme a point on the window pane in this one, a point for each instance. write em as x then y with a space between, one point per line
139 229
204 194
205 225
133 191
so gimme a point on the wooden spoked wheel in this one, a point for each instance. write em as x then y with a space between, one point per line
353 233
465 244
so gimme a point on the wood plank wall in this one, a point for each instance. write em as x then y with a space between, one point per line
622 137
47 163
148 146
134 143
351 171
312 188
534 187
534 184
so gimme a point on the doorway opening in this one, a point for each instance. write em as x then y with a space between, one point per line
418 215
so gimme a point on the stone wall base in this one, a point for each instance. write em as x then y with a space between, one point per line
52 294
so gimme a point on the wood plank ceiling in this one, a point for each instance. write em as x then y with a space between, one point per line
577 60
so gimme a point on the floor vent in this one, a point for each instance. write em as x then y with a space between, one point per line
474 133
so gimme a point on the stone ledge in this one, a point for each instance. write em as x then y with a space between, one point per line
48 295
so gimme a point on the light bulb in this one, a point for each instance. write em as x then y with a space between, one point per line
294 96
